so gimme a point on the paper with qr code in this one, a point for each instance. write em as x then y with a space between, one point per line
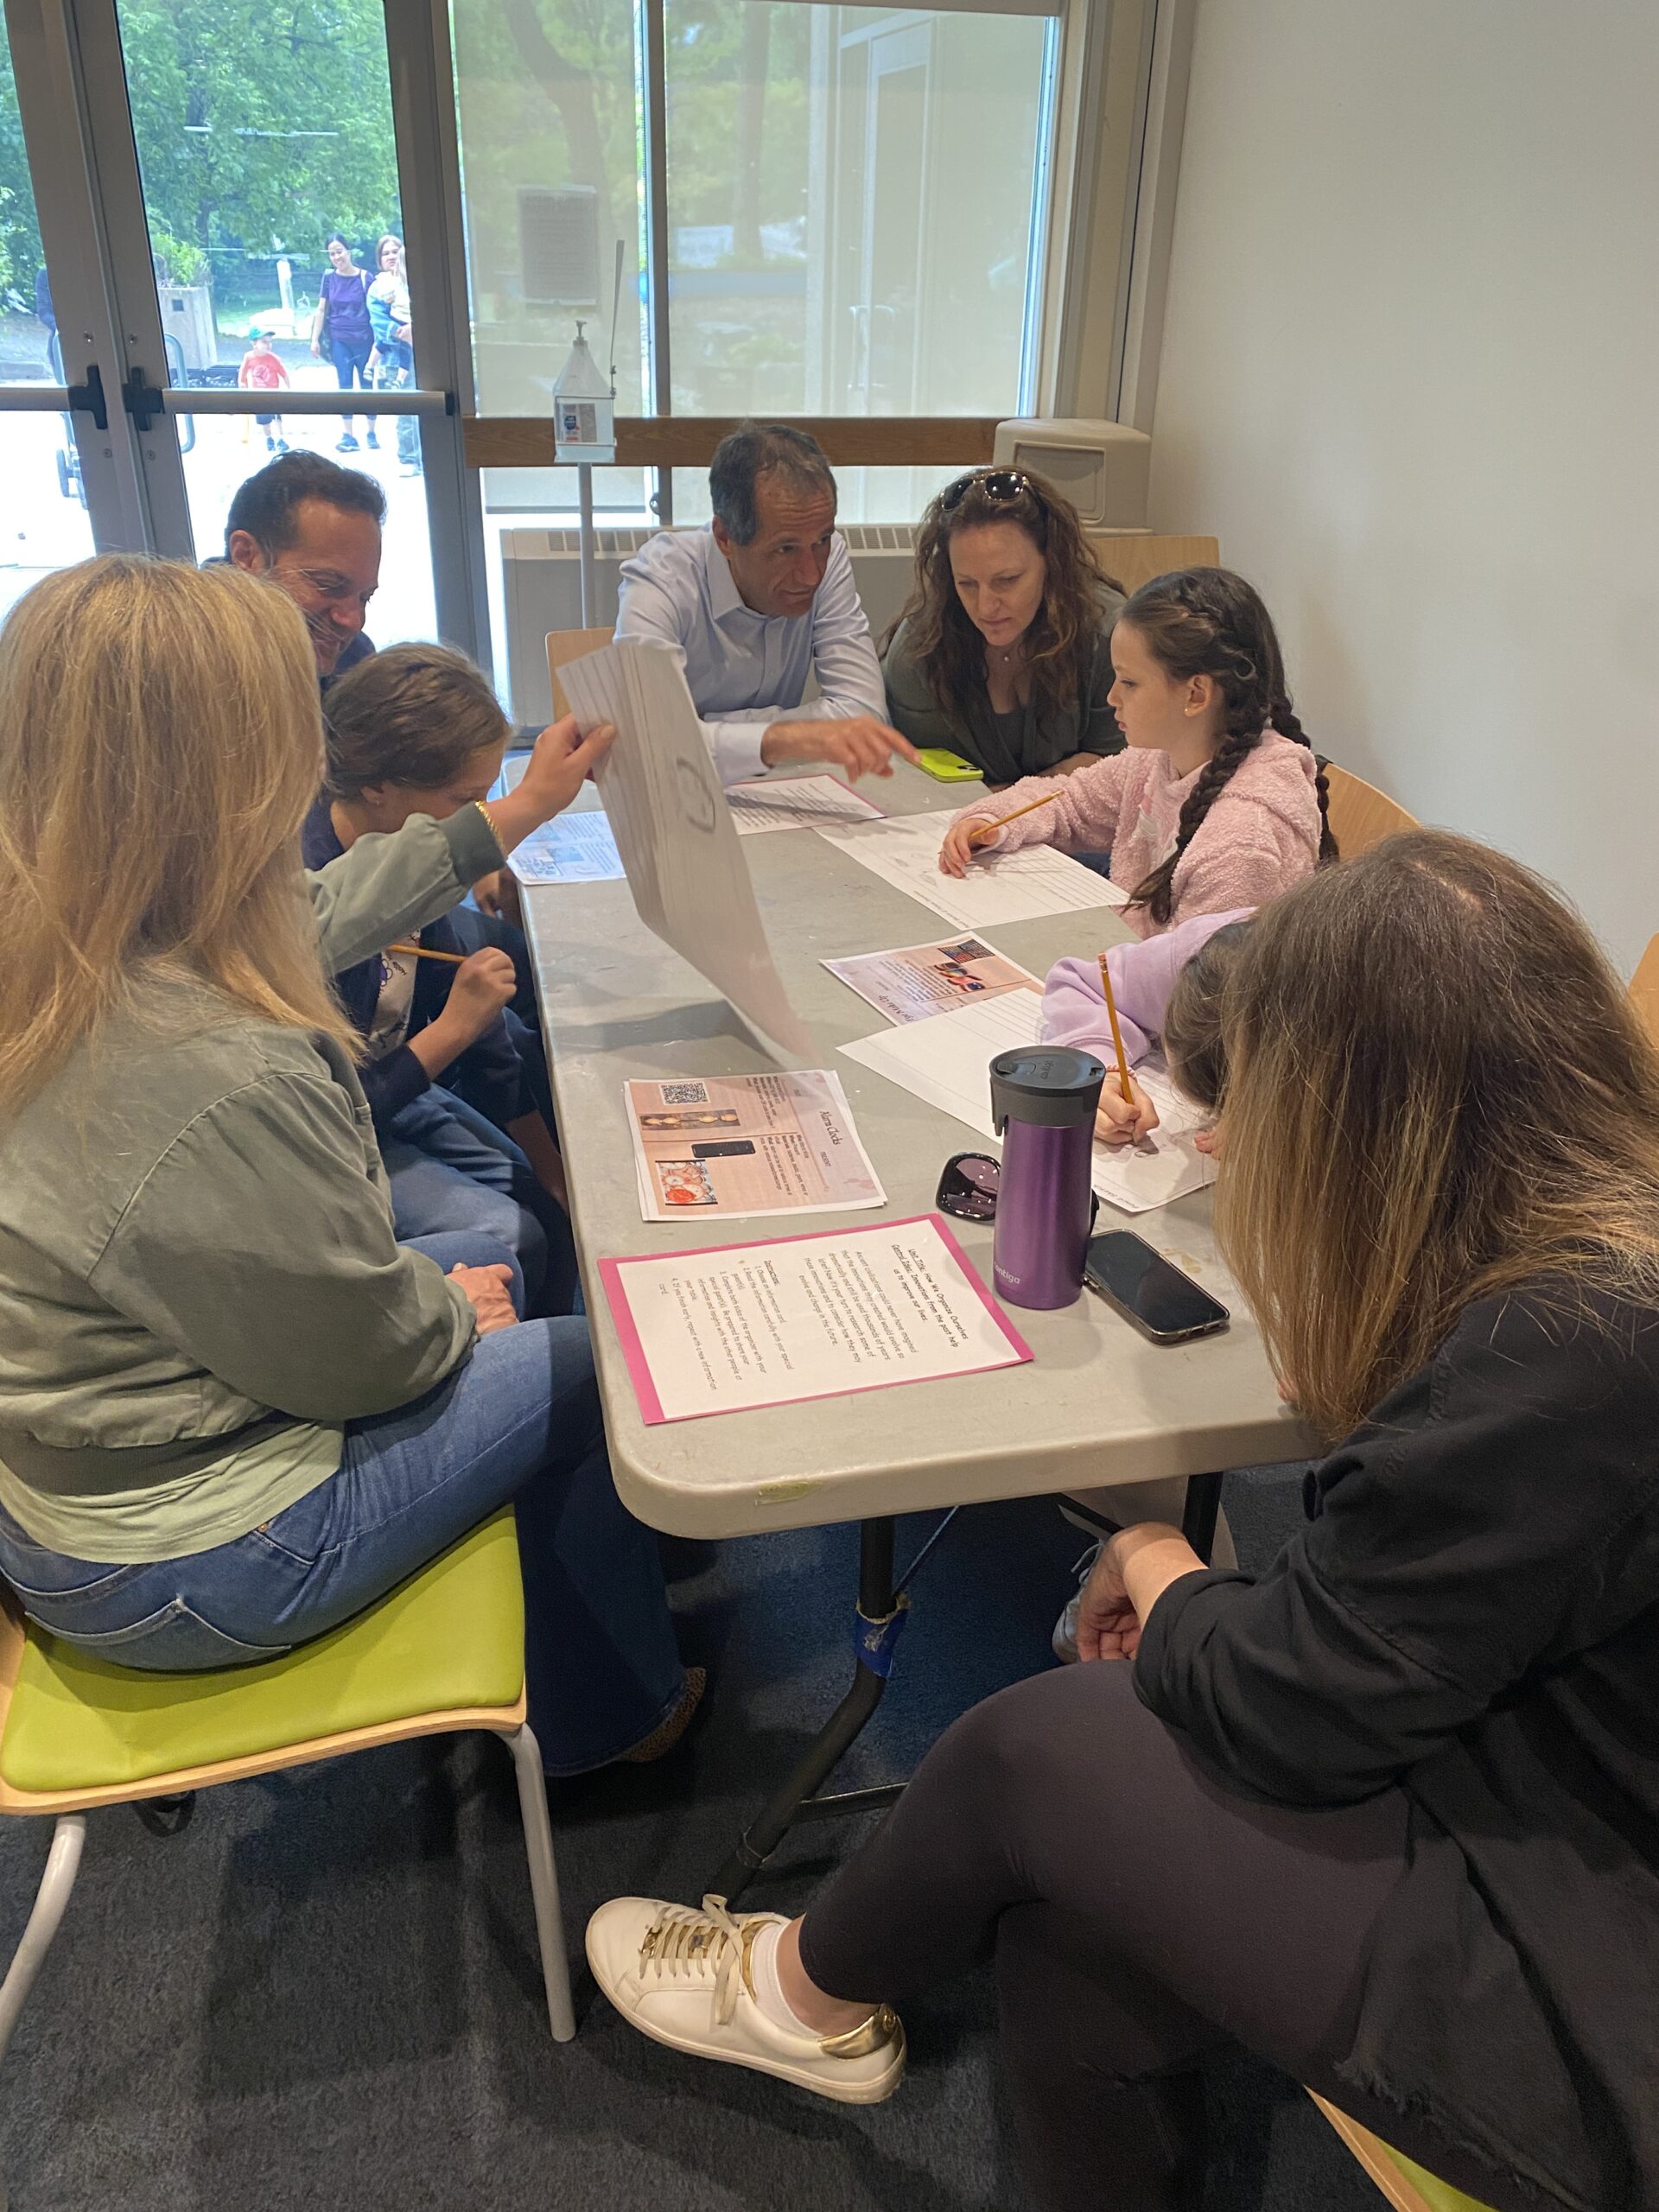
685 867
736 1145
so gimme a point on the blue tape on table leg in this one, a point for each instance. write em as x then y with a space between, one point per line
876 1642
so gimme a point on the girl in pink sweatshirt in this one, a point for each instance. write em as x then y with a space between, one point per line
1219 801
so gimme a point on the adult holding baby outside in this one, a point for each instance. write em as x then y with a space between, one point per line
234 1410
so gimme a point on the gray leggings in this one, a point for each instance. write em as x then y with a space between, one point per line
1139 1916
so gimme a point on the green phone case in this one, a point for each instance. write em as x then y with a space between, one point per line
949 767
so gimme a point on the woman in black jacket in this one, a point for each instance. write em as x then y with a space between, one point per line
1388 1813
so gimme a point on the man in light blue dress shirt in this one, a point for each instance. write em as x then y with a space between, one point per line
758 601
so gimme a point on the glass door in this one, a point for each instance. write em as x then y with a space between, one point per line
221 196
48 523
289 318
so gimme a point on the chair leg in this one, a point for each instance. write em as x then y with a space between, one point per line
51 1901
543 1882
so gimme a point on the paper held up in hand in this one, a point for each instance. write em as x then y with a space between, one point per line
733 1145
737 1325
1004 887
797 803
946 1060
673 829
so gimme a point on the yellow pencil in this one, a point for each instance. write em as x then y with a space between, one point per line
983 828
421 952
1118 1034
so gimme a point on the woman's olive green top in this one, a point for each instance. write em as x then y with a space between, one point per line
1022 742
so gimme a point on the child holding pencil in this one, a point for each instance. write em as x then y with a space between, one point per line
1219 802
418 730
1192 957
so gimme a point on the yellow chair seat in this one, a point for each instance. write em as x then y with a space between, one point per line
450 1638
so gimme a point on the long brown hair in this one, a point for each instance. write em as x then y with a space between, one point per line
160 741
1436 1090
1209 622
1060 643
413 714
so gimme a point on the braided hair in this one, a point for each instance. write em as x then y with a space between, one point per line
1209 622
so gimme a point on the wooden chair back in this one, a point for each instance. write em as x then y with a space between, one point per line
1644 988
1361 815
1375 2156
564 646
1134 557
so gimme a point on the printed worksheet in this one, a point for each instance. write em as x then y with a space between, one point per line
946 1060
914 981
570 848
796 803
741 1145
1004 887
736 1325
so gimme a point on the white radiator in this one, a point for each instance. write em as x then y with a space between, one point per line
542 588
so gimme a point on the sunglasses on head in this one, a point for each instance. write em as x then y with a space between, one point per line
1002 486
968 1185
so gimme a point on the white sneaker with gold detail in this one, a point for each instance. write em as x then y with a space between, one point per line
683 1978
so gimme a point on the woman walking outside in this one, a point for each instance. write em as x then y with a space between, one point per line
341 324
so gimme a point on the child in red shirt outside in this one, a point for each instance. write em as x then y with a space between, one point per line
261 370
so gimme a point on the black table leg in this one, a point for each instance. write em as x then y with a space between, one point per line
880 1617
1198 1516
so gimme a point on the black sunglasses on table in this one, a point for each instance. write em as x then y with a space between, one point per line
968 1185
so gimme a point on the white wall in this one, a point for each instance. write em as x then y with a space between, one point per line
1410 377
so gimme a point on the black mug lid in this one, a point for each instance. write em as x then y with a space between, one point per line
1055 1086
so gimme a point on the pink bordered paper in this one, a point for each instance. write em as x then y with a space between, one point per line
1013 1351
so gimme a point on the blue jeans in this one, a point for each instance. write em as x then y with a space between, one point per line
519 1421
396 371
453 1171
351 358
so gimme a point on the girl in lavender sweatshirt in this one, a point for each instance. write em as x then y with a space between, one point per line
1144 977
1219 802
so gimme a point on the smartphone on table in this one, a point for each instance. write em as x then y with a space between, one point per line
1148 1290
947 768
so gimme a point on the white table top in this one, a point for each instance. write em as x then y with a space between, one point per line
1098 1404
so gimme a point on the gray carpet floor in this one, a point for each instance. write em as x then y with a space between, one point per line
323 1991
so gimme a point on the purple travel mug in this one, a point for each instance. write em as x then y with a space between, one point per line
1043 1102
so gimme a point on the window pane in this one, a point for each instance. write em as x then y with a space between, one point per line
850 194
46 525
27 324
253 148
547 101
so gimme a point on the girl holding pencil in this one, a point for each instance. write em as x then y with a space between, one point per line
1144 979
1217 803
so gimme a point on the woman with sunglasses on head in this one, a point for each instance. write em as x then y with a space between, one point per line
1001 654
1387 1813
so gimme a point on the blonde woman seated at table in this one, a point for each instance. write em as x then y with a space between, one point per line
1001 654
1386 1813
234 1410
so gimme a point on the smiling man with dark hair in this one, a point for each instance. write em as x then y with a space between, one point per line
313 529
